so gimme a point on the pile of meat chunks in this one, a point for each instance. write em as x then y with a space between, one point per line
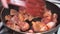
35 18
21 21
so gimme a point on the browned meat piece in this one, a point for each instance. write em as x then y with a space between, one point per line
13 12
21 17
22 10
38 26
44 28
7 17
9 23
53 22
26 17
24 26
15 19
47 17
47 13
13 26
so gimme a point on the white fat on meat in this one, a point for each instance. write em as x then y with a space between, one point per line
14 19
44 28
51 24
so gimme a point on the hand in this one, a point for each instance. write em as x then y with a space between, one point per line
13 2
4 3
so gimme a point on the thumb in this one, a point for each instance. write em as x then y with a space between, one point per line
4 3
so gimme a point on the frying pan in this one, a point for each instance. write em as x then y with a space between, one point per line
50 6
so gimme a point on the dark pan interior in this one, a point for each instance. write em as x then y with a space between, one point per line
7 11
49 5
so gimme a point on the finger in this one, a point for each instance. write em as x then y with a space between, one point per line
4 3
